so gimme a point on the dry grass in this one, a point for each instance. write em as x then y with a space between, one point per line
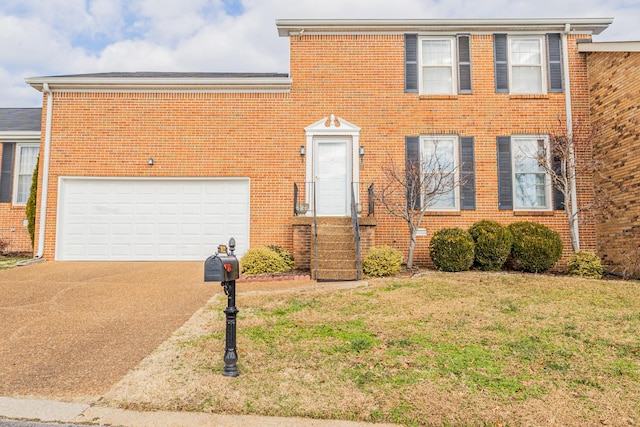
438 349
9 262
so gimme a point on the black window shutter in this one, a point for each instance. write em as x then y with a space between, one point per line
505 184
6 170
464 64
467 174
500 53
412 168
558 197
411 63
554 53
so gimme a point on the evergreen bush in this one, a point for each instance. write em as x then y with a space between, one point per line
492 245
452 249
382 261
284 254
263 260
31 204
585 264
536 248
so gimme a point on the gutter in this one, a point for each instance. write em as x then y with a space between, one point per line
45 171
569 112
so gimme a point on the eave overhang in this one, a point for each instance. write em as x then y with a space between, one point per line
294 27
163 84
629 46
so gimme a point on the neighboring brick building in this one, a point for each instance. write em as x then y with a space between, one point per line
168 165
19 145
615 116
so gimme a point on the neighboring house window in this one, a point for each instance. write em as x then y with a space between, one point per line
439 155
438 65
26 158
526 65
523 183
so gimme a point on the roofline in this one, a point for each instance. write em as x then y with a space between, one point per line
20 135
144 84
629 46
289 27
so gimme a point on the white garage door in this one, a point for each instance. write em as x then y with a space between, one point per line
102 219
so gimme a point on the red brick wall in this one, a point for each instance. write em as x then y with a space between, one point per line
615 103
358 78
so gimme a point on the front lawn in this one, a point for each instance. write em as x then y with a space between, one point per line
437 349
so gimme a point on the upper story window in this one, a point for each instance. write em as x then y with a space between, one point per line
437 65
26 158
437 60
528 64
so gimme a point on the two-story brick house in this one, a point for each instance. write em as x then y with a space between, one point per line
154 166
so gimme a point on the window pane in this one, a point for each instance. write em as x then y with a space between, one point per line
530 190
527 79
526 155
436 52
525 52
28 158
437 80
439 160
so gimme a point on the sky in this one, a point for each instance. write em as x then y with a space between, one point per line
61 37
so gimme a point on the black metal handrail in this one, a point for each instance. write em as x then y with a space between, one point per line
356 230
371 194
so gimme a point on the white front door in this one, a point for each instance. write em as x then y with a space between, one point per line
332 176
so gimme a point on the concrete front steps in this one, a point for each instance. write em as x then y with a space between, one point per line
336 250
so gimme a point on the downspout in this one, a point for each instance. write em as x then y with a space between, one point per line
572 160
45 170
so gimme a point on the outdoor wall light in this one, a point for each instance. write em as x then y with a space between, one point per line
302 150
362 151
150 161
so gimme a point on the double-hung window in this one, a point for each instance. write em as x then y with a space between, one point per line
26 158
437 61
526 55
528 64
523 181
437 65
440 160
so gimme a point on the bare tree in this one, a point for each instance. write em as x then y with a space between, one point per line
409 191
564 161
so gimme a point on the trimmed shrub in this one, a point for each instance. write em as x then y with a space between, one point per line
536 248
382 261
284 254
452 249
493 245
262 260
585 264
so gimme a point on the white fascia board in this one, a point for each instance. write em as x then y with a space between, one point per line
630 46
24 135
158 84
289 27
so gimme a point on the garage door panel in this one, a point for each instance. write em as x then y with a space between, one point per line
150 219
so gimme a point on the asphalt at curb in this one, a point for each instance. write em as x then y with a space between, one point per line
78 413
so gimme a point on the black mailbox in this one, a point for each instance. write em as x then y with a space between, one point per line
221 267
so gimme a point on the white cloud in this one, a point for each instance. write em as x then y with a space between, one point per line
78 36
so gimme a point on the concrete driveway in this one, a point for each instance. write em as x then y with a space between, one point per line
70 330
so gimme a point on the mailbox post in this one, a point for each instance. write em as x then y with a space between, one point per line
223 267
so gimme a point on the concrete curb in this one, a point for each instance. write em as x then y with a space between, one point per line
53 411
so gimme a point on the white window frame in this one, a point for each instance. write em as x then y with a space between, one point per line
455 143
16 171
515 141
543 64
454 65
